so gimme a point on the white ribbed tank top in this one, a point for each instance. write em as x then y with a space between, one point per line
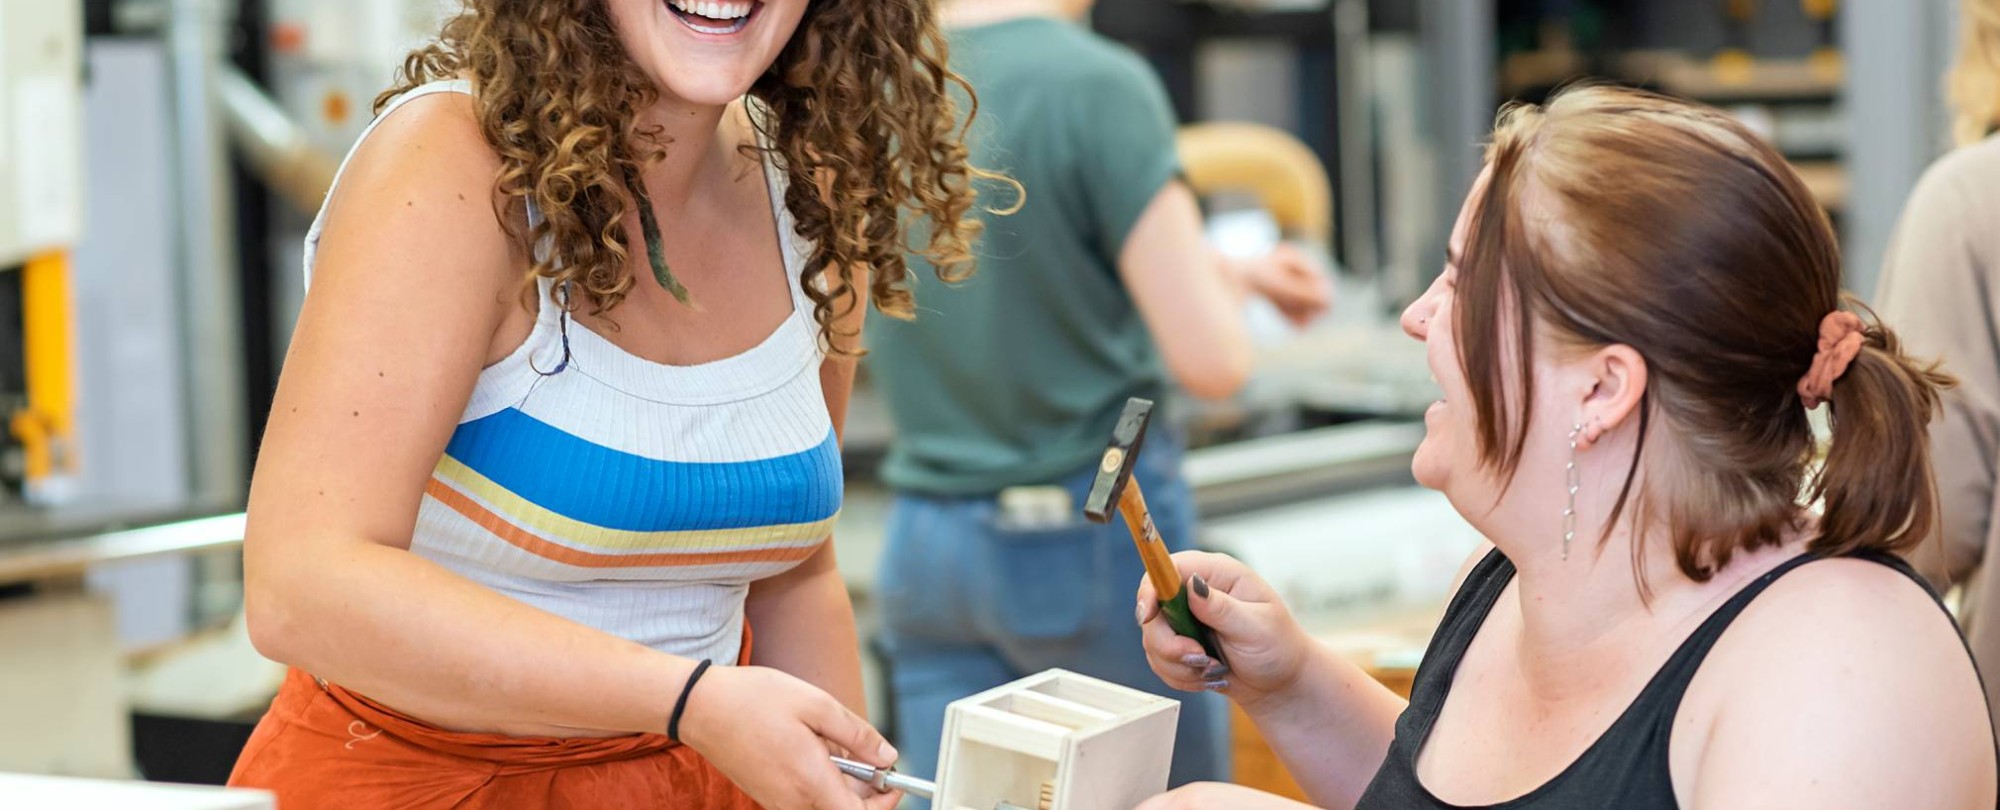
635 497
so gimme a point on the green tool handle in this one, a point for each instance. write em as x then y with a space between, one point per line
1180 617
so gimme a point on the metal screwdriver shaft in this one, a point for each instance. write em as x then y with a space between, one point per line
887 779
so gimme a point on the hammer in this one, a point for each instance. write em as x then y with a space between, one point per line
1115 488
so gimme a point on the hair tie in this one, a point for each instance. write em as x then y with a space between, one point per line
1841 335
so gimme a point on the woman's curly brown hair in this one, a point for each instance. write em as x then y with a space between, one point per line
857 109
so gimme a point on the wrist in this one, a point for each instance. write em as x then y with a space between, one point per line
687 717
1239 274
1289 692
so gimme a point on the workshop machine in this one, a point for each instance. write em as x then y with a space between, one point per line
41 220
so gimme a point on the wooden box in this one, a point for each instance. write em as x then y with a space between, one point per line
26 792
1058 741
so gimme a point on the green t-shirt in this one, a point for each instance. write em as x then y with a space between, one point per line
1018 375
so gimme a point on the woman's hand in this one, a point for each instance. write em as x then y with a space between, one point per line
1217 796
1266 648
1292 282
771 734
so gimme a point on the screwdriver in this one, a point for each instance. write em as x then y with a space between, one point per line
887 779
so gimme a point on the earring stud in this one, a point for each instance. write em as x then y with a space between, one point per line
1570 479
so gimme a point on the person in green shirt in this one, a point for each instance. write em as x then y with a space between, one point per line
1099 288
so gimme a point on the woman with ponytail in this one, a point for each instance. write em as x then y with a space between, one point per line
1641 304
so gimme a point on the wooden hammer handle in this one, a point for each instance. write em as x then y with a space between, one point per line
1161 570
1152 550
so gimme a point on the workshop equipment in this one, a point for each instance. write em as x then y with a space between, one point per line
1114 488
1271 164
41 220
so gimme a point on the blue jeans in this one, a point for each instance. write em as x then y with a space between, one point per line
968 604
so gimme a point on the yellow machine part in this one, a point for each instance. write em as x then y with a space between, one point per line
1282 172
45 428
1734 67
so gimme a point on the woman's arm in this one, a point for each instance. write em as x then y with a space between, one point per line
1217 796
1326 719
413 278
1188 295
802 619
804 625
1331 729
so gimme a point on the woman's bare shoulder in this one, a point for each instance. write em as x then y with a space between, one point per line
1842 685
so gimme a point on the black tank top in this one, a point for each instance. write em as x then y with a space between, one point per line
1625 768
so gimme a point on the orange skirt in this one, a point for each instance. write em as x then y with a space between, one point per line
326 747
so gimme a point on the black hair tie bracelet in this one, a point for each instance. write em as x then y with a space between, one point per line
680 706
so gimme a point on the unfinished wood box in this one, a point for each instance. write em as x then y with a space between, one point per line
1056 740
26 792
61 691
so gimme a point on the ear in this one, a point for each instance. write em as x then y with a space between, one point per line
1616 376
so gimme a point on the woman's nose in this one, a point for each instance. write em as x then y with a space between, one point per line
1417 318
1421 312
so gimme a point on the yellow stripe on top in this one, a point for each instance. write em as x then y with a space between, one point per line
527 541
570 532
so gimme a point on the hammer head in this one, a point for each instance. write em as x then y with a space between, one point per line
1119 458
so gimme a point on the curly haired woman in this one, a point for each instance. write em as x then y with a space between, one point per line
560 421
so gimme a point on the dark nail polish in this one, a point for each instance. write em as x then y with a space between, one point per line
1216 672
1200 586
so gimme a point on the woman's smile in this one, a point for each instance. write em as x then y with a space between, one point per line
715 17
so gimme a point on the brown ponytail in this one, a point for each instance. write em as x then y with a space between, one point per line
1879 490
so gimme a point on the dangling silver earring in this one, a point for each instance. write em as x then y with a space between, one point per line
1570 476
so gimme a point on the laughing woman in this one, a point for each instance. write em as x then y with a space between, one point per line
560 421
1641 304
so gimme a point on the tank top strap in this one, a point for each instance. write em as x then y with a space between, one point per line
461 86
1489 578
319 219
794 249
1662 698
1673 677
1462 619
547 310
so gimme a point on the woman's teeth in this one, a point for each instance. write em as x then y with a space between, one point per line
714 9
713 16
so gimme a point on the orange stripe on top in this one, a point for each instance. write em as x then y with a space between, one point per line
527 541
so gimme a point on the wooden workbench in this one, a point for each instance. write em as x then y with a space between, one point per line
65 672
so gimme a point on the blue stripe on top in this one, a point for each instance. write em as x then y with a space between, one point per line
598 485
